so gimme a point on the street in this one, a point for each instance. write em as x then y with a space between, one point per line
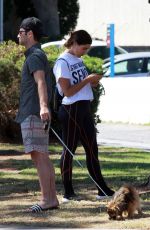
124 135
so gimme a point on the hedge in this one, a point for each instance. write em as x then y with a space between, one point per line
11 61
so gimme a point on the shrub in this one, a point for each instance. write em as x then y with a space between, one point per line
94 65
11 54
11 61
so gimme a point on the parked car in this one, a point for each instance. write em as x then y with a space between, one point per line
98 48
136 64
54 43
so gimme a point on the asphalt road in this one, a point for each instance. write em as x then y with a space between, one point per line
124 135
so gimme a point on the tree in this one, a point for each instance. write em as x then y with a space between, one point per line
58 16
68 14
47 11
14 12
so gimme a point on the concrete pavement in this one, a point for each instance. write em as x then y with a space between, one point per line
124 135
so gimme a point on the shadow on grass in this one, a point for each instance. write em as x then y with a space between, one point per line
16 164
48 218
23 184
20 164
115 173
63 220
9 186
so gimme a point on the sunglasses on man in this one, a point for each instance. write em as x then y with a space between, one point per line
22 31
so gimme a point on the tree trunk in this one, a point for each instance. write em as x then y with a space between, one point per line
48 13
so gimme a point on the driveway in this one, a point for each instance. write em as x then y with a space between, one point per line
124 135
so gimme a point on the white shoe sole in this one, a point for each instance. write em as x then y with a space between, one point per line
65 200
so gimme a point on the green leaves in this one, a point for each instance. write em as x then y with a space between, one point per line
11 62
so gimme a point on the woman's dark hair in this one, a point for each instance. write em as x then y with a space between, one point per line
81 37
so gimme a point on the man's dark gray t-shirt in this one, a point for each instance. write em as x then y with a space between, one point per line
29 99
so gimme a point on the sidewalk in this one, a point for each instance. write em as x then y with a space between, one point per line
124 135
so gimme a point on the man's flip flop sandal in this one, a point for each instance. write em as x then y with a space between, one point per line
37 208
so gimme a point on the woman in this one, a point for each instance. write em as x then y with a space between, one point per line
75 85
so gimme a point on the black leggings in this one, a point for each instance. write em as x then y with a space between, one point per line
77 124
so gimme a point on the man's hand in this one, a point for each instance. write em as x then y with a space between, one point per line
45 114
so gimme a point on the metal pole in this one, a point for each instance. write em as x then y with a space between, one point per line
1 20
112 49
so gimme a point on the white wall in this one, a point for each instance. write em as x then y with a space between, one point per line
131 19
126 100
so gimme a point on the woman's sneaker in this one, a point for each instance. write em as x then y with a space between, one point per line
107 196
68 198
65 200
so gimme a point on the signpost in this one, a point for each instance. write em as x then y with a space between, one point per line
110 43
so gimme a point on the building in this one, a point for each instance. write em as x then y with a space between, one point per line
131 19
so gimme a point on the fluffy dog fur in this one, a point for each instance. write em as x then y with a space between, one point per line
125 201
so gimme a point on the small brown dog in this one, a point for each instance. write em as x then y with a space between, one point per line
125 201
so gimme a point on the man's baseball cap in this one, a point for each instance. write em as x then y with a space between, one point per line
35 25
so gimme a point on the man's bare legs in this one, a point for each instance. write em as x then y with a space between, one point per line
46 175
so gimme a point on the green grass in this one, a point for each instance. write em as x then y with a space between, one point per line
19 188
119 165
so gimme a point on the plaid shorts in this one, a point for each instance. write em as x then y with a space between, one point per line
35 138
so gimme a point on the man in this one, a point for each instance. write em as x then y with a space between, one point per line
34 110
